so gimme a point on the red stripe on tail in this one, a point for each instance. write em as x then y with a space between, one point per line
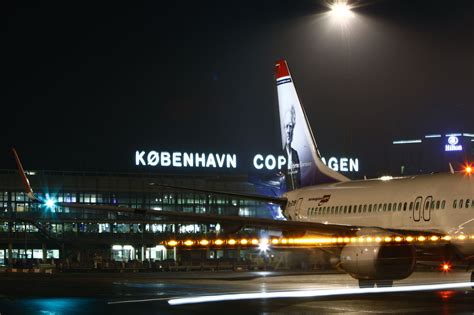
281 69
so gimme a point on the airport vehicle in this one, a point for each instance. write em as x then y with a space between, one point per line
320 201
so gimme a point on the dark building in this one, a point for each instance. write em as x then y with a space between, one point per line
431 153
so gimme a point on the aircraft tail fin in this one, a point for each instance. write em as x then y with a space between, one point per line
304 165
26 182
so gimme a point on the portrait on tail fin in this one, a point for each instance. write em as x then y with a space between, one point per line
304 166
292 170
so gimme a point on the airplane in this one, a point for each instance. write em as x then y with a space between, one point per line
321 201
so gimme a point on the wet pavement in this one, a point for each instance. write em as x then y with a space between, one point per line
151 293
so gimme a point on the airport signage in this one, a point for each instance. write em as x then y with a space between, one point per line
267 162
453 144
271 162
185 159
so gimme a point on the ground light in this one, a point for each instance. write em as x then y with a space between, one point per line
446 267
468 169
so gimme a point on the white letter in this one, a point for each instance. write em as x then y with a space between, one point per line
333 164
139 158
210 160
188 159
354 165
281 161
344 162
257 161
270 162
165 159
200 159
177 159
231 161
153 158
324 160
220 160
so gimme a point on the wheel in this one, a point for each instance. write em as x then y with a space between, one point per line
384 283
363 283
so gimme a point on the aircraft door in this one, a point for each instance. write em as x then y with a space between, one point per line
417 208
298 208
427 208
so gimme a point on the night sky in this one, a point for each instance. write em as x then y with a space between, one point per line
86 84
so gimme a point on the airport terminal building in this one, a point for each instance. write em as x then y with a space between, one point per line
30 230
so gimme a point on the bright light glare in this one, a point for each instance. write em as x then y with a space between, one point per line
341 10
50 203
263 246
312 293
446 267
468 169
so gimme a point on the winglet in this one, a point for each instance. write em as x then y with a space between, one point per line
451 170
26 182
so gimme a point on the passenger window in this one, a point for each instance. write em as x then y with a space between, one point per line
395 206
384 207
443 203
405 206
389 207
427 205
411 205
345 209
460 204
467 203
437 204
370 208
365 208
380 207
417 206
455 203
432 205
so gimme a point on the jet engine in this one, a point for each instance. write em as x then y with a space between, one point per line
378 262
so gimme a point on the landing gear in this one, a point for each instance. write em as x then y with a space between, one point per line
363 283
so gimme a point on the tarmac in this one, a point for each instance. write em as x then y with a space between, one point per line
151 293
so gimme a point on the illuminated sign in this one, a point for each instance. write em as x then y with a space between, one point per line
453 144
185 159
229 161
271 162
342 164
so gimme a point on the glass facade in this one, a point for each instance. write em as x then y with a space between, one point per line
27 228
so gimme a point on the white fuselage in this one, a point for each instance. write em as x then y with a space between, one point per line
438 202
